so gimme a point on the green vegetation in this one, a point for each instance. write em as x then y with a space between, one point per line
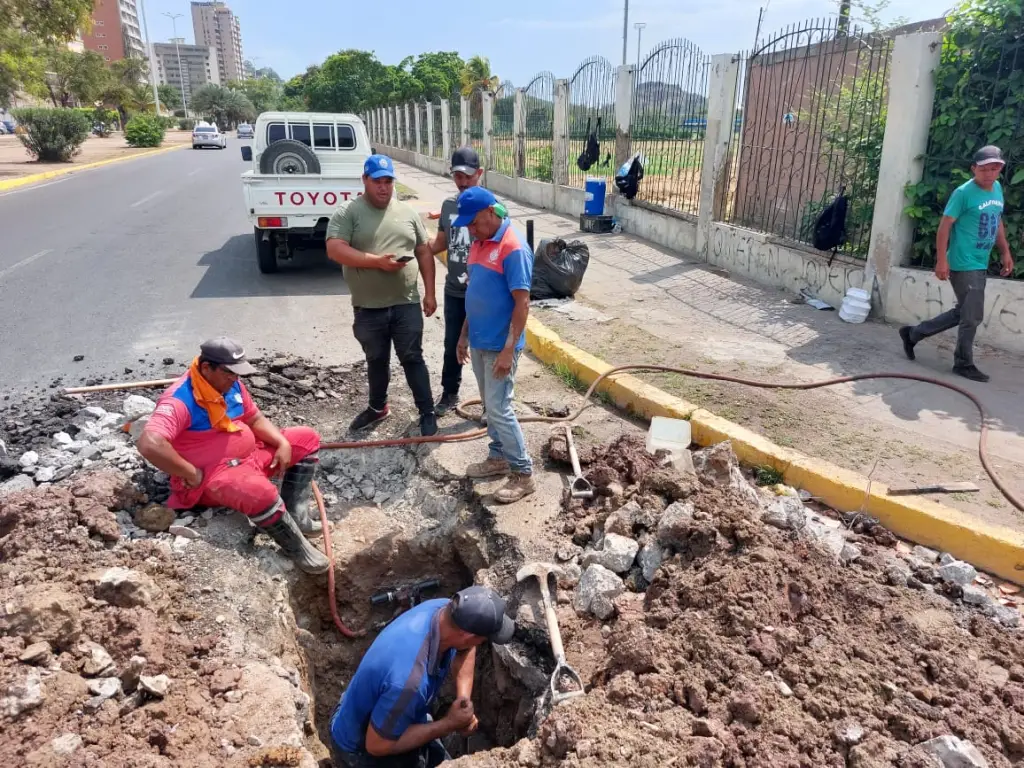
52 135
765 475
223 106
144 131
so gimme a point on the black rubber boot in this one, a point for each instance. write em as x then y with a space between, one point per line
288 536
297 494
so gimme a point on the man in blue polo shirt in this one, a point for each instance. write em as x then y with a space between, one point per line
383 719
493 336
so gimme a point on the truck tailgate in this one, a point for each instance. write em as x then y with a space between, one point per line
298 195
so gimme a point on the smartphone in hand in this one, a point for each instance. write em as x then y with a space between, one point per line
403 259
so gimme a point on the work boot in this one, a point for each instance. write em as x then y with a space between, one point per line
297 494
908 345
369 418
449 402
518 486
485 469
970 372
288 536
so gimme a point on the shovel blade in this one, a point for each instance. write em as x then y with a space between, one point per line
581 488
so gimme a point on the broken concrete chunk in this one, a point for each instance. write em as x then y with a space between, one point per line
973 595
616 553
45 475
897 573
1006 615
38 653
15 484
827 538
23 695
63 440
924 554
946 559
953 752
675 523
848 553
848 733
157 686
29 459
596 580
98 663
66 744
602 607
785 512
183 531
50 614
136 406
105 687
650 558
126 588
957 572
130 677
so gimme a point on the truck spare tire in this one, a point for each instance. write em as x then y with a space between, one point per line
289 157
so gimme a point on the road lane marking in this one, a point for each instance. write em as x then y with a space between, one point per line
34 186
146 199
197 170
23 263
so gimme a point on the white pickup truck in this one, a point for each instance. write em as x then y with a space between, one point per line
304 165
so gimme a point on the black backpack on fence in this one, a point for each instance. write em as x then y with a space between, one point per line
592 151
830 227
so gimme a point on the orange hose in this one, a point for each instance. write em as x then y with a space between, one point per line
328 551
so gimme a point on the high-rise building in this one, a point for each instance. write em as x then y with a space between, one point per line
198 66
115 31
217 28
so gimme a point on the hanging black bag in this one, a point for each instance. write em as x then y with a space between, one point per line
592 151
830 227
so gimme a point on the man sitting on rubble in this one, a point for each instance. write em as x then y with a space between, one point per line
383 718
220 451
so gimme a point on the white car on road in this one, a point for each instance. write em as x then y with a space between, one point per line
208 136
304 166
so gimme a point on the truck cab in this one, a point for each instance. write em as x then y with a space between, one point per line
304 166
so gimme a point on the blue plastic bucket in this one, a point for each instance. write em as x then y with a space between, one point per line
594 190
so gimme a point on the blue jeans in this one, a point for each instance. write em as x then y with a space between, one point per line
507 440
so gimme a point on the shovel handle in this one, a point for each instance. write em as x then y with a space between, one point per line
573 456
552 621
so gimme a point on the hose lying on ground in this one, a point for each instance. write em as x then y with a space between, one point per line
478 433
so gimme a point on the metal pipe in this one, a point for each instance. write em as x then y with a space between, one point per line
625 31
152 66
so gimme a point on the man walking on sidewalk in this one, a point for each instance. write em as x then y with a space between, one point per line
493 336
466 173
383 246
971 225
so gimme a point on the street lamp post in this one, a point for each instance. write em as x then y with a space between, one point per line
639 27
152 66
625 31
181 73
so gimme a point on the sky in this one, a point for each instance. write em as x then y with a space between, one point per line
520 38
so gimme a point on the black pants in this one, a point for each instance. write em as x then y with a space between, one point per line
429 755
454 317
966 316
401 325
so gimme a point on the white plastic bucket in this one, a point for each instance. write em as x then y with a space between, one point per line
856 306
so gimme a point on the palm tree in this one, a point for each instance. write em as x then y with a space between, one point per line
476 75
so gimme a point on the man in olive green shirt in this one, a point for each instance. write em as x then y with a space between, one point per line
382 245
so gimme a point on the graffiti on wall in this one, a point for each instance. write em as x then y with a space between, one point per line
922 295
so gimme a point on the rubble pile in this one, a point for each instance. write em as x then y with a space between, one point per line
718 624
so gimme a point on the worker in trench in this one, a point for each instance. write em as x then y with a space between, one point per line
383 719
220 451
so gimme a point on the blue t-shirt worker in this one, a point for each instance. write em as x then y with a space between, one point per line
497 305
972 224
383 719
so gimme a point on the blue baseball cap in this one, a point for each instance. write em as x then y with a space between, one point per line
379 166
471 202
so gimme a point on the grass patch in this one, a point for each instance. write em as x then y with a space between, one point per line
568 377
765 475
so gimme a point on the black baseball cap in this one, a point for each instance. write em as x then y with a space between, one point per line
481 611
465 160
226 353
988 156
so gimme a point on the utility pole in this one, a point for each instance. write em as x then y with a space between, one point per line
844 17
181 74
152 66
639 27
625 31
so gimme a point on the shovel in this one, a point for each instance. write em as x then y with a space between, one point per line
580 487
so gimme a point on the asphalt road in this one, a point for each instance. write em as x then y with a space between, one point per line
145 259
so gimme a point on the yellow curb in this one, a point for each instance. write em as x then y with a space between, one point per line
37 177
996 549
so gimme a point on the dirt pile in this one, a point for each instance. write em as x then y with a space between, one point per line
759 644
110 656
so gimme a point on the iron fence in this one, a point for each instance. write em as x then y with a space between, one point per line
476 120
812 125
437 125
591 112
669 117
503 139
423 118
539 127
455 121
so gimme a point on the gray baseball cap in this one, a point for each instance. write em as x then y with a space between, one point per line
988 156
226 353
481 611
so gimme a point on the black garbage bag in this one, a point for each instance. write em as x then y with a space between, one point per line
558 268
629 176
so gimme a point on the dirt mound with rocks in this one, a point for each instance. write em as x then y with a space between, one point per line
105 659
765 635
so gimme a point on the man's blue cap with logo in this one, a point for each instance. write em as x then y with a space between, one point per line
471 202
378 167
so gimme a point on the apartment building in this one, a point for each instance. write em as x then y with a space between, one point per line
217 28
198 66
115 31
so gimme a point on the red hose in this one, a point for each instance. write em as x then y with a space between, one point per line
331 600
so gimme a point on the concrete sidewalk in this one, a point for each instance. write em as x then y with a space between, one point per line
669 309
